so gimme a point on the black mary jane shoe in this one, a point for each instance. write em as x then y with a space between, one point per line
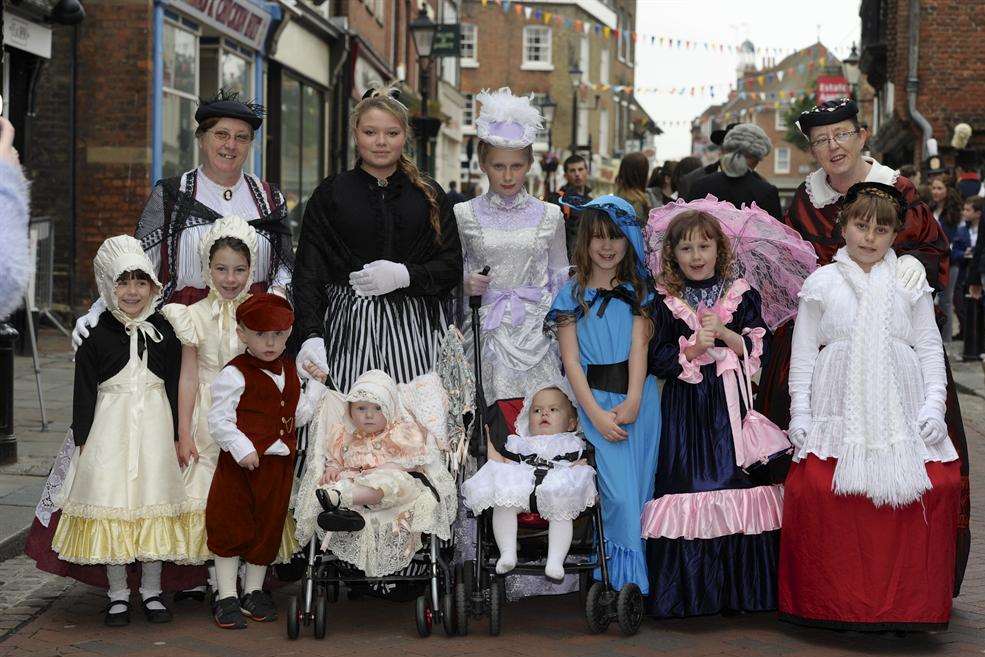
335 518
156 615
117 618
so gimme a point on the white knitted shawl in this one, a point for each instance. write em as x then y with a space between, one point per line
880 458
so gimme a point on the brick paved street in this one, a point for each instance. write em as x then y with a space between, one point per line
45 616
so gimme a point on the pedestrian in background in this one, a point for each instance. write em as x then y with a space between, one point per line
16 266
631 184
660 187
745 146
946 206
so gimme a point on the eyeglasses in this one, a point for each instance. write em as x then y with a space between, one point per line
222 136
840 137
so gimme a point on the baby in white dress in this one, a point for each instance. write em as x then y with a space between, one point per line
545 439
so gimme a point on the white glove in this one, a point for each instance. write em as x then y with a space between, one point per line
932 430
476 285
379 277
797 432
910 273
312 350
86 322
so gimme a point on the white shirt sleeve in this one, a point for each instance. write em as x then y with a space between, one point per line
227 388
930 352
804 350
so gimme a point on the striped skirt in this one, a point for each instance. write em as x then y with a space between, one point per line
398 334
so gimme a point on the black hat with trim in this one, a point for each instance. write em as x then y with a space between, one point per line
227 105
827 113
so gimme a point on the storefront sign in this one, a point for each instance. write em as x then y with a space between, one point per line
27 36
239 19
446 40
831 87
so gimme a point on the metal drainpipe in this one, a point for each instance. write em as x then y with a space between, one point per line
913 82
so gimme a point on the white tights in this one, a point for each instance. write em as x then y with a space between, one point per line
150 585
559 534
226 569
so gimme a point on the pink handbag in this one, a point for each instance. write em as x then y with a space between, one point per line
759 442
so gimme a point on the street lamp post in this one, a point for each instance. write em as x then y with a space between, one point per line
852 72
423 29
548 162
575 73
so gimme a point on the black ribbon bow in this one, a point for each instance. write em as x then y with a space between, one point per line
620 293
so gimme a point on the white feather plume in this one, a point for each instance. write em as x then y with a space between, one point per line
501 106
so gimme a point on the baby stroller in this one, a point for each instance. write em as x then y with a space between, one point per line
436 402
479 590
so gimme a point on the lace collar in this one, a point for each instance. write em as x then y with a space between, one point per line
821 193
508 202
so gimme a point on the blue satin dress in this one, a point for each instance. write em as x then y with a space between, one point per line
626 468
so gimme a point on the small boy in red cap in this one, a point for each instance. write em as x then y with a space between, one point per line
256 405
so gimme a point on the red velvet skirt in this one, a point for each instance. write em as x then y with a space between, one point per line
845 564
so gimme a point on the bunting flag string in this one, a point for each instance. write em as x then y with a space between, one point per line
738 113
537 15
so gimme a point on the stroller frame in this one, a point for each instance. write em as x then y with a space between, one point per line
479 589
322 582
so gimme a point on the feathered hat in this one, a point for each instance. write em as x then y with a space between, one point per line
507 121
965 158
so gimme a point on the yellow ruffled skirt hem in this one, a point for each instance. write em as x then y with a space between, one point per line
84 540
198 541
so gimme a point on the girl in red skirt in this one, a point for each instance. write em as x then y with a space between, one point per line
872 499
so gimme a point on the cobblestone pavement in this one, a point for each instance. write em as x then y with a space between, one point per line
42 615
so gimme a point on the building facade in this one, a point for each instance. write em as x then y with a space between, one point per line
96 131
578 55
946 87
766 95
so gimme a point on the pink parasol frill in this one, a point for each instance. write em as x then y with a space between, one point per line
772 257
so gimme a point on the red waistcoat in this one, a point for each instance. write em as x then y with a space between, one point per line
264 413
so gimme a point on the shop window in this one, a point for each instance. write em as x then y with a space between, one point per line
302 147
180 71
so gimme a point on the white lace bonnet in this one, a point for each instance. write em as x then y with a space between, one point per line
505 120
115 256
375 387
231 226
523 419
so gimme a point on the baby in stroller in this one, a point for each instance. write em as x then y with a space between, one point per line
382 481
545 437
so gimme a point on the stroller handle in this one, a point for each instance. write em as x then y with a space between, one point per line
475 302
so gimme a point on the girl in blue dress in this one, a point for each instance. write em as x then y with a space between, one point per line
600 319
712 533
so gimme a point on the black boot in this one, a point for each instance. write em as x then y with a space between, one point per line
334 518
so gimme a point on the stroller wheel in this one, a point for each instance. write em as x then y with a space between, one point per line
629 609
293 618
463 603
596 609
321 619
425 616
448 614
495 606
584 583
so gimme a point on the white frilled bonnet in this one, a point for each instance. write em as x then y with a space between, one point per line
507 121
376 387
523 419
117 255
231 226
